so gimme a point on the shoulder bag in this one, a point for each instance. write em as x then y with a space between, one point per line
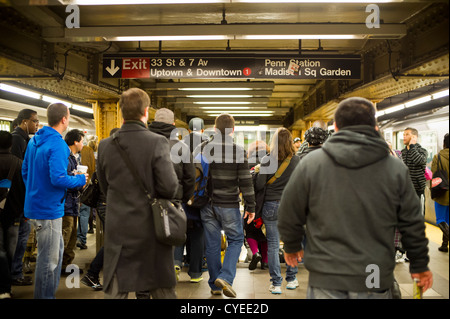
169 217
439 183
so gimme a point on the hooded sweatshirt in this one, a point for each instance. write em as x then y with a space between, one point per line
44 172
351 195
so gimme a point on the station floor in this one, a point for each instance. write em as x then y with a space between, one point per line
255 284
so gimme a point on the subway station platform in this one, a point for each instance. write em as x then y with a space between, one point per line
254 285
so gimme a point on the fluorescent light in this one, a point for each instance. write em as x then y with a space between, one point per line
318 1
244 112
394 109
378 114
439 94
224 107
219 96
418 101
170 38
299 36
215 89
241 115
82 108
214 102
131 2
16 90
50 99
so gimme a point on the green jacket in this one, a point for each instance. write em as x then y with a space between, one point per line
443 200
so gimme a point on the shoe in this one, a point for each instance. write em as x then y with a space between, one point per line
264 266
90 231
227 289
276 290
216 292
91 281
177 271
444 248
292 284
196 280
5 295
27 267
255 260
82 246
24 281
399 257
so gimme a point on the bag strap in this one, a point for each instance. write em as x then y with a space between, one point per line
280 170
130 165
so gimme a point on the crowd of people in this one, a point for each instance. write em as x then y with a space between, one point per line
338 202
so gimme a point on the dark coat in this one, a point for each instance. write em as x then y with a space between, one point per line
72 203
13 210
131 249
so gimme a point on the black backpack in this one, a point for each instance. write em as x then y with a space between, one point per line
439 183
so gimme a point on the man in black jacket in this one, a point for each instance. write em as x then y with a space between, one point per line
134 260
28 124
11 212
351 195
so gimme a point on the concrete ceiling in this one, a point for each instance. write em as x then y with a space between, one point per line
290 99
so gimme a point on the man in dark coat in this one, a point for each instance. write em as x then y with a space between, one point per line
134 260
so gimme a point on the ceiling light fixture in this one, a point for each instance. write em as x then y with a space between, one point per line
244 112
300 36
215 89
218 96
170 38
131 2
16 90
241 115
214 102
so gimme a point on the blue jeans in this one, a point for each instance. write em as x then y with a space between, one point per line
270 218
49 259
320 293
83 225
215 219
24 233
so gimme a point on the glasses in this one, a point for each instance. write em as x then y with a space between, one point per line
35 121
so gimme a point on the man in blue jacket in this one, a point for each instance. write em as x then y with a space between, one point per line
45 175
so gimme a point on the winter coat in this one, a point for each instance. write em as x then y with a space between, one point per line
72 203
13 209
416 160
352 195
443 200
20 140
44 172
182 161
130 246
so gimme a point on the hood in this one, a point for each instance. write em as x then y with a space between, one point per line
444 153
161 128
356 146
43 135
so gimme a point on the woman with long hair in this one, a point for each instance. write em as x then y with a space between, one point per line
274 178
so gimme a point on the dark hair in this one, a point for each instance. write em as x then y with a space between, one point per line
446 140
25 114
355 111
282 144
223 122
133 102
413 131
73 136
5 140
56 112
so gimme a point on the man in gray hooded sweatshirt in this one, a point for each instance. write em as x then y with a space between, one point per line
351 195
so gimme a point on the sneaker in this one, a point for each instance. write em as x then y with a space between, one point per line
196 280
24 281
5 295
276 290
399 257
292 284
227 289
177 271
255 260
92 282
444 248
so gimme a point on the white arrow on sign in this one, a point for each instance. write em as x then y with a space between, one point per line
113 68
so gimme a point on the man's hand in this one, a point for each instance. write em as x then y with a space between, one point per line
425 279
251 217
413 140
293 258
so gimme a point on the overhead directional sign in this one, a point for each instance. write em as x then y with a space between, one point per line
270 67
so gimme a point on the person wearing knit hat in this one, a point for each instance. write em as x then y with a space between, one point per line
165 115
315 137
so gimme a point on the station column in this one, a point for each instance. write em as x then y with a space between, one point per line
107 116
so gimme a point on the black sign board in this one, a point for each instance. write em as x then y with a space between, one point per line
213 67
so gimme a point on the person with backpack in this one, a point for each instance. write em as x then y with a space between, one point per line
441 204
12 197
282 152
164 124
229 176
